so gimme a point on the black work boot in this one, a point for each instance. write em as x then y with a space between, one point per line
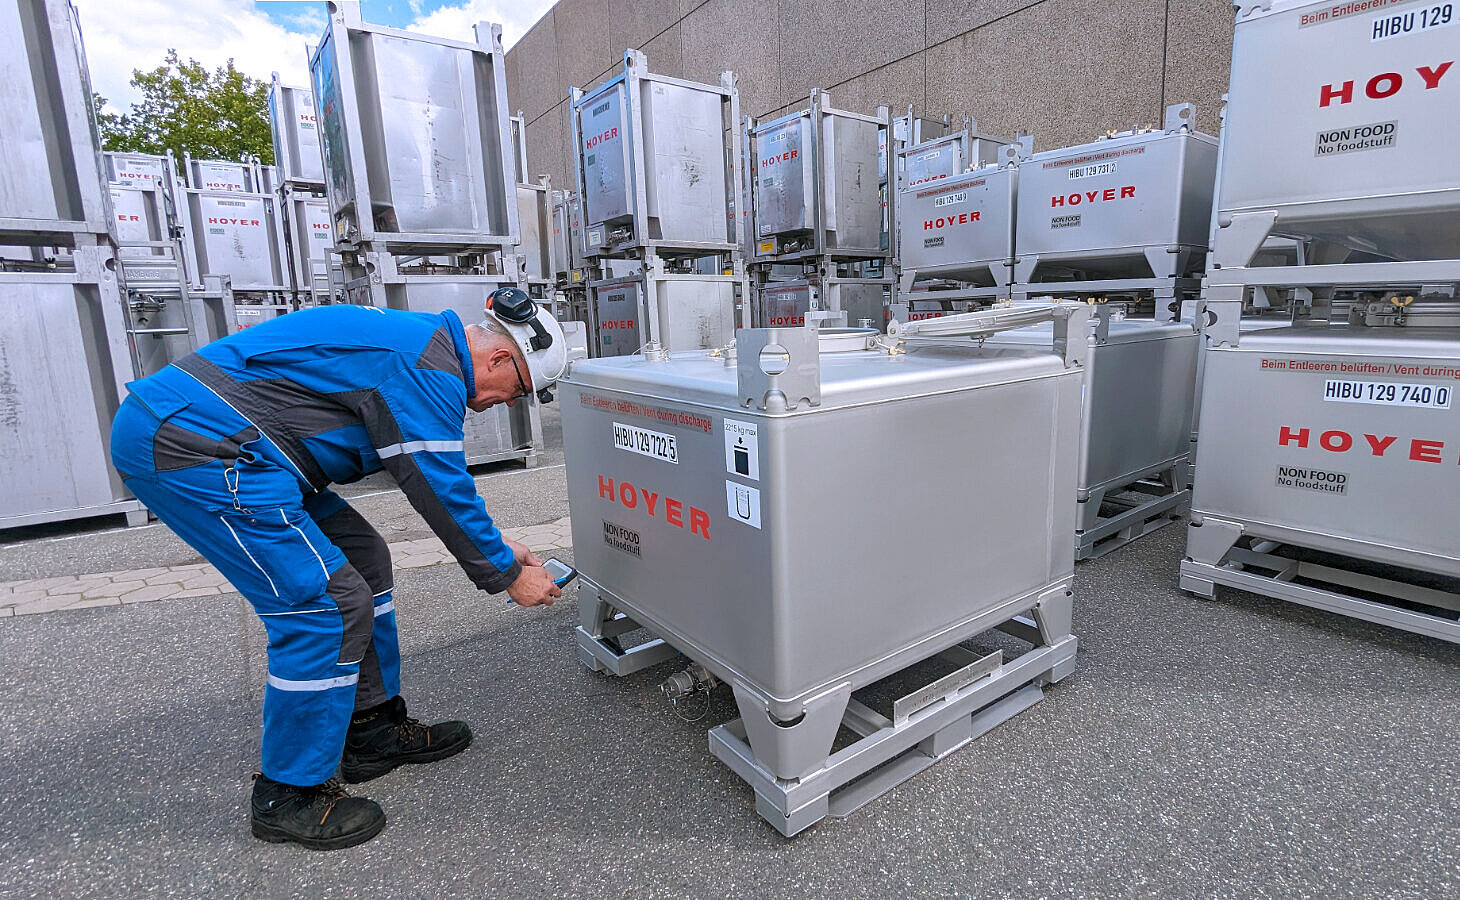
383 737
322 817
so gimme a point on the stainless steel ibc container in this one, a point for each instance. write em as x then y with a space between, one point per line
1341 125
1139 396
671 131
295 128
1135 205
692 312
780 304
1326 460
960 227
787 193
50 168
723 503
417 145
237 235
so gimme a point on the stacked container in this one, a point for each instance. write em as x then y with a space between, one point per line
1337 488
421 183
818 216
66 335
657 164
315 272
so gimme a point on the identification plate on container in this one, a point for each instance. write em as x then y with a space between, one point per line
1388 393
950 199
646 443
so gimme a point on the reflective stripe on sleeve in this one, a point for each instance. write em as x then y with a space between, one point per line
318 684
416 446
387 606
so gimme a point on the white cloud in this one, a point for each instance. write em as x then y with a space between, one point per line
456 20
136 34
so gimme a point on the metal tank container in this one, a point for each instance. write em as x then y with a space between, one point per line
1134 205
1352 454
781 303
1341 127
313 263
235 235
51 186
688 312
132 168
65 366
656 160
1135 434
417 146
946 156
815 182
960 228
715 503
534 223
295 128
222 175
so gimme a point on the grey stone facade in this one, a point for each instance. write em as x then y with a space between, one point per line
1064 70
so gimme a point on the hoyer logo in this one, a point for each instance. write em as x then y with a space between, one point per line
1388 445
785 320
778 158
668 509
1382 86
967 218
222 220
597 139
222 186
128 218
1093 196
617 325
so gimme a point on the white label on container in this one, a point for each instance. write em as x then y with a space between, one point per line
1427 18
1374 136
743 503
742 453
950 199
1387 393
1107 168
644 442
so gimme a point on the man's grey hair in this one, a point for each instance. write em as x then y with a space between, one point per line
492 326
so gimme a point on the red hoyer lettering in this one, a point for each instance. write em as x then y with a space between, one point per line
1335 441
1093 196
667 508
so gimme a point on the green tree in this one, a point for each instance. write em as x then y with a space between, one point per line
222 114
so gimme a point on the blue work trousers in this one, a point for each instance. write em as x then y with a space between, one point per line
314 570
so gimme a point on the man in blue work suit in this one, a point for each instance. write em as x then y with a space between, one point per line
234 446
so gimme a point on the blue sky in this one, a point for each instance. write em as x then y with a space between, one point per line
260 37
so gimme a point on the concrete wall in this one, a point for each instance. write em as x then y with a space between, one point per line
1064 70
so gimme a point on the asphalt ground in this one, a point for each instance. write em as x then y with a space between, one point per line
1236 748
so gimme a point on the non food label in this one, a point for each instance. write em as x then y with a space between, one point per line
950 199
743 503
625 540
1373 136
1388 393
1399 24
644 442
742 453
1065 221
1107 168
1319 481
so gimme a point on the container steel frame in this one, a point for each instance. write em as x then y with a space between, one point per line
657 256
822 265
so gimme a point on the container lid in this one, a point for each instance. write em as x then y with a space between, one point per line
849 377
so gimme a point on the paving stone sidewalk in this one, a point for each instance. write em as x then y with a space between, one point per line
39 595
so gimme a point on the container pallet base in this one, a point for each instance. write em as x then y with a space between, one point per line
1329 585
135 512
1149 502
926 725
528 455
